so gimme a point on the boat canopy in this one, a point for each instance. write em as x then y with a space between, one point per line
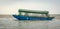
33 11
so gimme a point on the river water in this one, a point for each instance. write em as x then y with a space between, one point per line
12 23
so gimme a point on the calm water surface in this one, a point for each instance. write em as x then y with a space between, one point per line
9 23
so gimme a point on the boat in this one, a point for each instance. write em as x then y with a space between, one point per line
26 17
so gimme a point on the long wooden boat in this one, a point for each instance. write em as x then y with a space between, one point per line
26 17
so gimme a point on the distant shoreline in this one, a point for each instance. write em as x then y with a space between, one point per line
57 16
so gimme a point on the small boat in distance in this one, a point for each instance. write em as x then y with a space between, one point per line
27 17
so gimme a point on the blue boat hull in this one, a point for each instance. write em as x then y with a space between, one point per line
32 18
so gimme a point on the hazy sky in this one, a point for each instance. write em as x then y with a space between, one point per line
12 6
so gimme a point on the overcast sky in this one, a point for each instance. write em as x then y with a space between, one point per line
12 6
